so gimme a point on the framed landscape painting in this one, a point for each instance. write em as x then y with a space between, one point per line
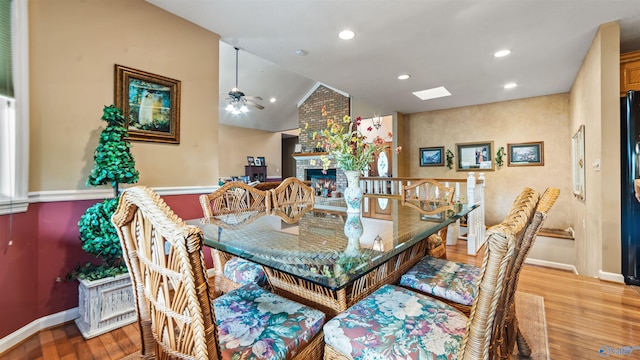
526 154
475 156
432 156
150 104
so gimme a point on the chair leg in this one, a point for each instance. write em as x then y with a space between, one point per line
523 348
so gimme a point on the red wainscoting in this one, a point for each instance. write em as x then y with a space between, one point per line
45 247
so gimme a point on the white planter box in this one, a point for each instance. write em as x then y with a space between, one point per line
105 305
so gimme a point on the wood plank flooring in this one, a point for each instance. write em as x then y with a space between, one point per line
582 314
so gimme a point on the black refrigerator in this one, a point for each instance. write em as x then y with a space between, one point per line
630 151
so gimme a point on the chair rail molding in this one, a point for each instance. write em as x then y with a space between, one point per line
97 194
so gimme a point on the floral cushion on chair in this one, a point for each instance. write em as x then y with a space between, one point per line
244 272
449 280
256 324
397 323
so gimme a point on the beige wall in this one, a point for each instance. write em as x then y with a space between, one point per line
544 118
74 45
236 143
595 104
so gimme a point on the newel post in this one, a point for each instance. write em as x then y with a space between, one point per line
472 234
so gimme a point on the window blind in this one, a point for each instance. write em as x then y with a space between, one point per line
6 65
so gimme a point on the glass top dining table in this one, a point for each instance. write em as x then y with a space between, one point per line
324 245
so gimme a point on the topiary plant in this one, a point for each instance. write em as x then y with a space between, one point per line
114 164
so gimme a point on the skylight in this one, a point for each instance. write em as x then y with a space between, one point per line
432 93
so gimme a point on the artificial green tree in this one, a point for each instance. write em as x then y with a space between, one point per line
113 164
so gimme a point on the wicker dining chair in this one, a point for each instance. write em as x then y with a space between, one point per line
292 191
395 322
176 316
231 272
439 194
456 283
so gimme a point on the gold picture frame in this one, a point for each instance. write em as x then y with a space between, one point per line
150 104
526 154
475 156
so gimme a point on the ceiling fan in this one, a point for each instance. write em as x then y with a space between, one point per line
238 101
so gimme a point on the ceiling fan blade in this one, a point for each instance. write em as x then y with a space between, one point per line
256 105
253 97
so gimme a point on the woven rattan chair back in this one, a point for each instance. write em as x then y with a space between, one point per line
232 200
234 197
292 191
165 260
428 189
498 255
510 335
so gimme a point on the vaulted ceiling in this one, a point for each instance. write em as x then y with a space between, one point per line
446 43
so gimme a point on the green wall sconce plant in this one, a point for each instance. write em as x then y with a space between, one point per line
499 155
450 159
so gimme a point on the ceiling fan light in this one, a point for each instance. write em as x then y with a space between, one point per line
229 107
244 109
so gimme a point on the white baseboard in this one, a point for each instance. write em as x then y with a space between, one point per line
613 277
552 264
33 327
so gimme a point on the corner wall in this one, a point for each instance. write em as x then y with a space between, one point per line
595 103
238 143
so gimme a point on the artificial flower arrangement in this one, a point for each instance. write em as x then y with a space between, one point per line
344 141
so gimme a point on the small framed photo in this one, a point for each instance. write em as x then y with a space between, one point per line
150 104
475 156
298 148
526 154
432 156
262 162
257 162
250 160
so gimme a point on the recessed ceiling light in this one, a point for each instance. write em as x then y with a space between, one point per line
301 52
403 76
502 53
346 34
432 93
510 85
272 100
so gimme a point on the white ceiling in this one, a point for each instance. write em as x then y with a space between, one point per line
446 43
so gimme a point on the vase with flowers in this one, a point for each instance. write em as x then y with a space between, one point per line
347 144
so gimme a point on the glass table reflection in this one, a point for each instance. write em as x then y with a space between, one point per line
322 256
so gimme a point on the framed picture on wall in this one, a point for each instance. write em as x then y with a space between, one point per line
526 154
150 104
475 156
432 156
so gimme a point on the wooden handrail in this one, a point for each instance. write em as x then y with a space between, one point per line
463 180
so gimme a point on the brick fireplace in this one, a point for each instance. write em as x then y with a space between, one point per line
310 121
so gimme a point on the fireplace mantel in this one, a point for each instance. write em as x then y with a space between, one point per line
312 155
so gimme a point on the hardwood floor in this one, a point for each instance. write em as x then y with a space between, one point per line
583 314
